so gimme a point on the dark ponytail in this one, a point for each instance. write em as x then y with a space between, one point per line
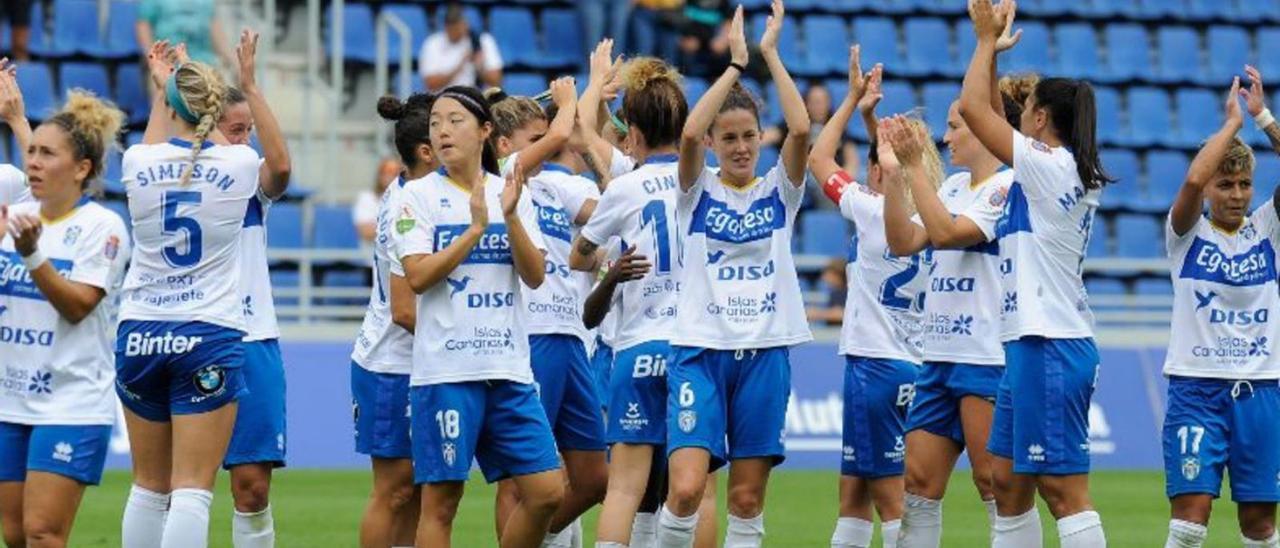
412 124
475 102
1071 107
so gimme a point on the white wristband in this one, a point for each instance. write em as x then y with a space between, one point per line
34 260
1264 118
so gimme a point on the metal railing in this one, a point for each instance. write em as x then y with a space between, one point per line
382 67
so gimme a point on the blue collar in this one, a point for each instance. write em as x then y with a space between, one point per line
552 166
401 180
662 159
188 144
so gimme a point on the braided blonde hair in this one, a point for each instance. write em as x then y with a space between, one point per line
205 94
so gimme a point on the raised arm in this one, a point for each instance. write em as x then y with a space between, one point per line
12 109
1256 101
1008 39
1189 203
592 110
796 146
822 157
904 236
988 125
693 139
162 59
273 178
565 97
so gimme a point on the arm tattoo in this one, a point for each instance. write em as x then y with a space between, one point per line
1273 133
585 247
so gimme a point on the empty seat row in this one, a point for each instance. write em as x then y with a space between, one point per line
42 96
74 30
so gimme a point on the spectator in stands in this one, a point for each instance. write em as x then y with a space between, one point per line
835 283
817 100
190 22
459 55
653 25
604 18
18 13
703 43
364 214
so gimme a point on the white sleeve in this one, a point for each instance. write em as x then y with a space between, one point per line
507 164
365 209
414 223
607 221
13 186
620 164
792 195
529 218
102 253
858 204
687 199
1175 245
427 59
986 211
575 193
1265 217
391 244
1043 171
492 55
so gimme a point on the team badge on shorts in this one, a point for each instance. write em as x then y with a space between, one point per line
1191 468
210 380
688 419
449 452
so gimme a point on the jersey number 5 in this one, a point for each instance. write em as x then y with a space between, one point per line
176 255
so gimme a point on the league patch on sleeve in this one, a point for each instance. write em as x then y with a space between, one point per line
406 221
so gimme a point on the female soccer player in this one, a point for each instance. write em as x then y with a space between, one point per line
1039 435
258 439
471 391
741 307
383 355
1223 396
13 182
179 348
64 259
639 207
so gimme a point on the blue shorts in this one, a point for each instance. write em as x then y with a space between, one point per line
638 395
877 393
78 452
259 435
1206 430
177 368
1042 409
939 389
567 387
498 423
380 411
602 366
738 394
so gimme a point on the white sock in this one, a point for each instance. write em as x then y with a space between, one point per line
188 523
253 529
1185 534
991 516
1018 531
744 532
644 530
610 545
1271 542
889 533
576 536
675 531
852 533
1082 530
144 516
563 539
921 523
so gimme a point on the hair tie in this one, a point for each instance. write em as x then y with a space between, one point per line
176 100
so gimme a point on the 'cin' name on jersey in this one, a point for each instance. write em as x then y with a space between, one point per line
53 371
962 309
739 287
556 306
884 312
187 256
382 346
1224 292
471 326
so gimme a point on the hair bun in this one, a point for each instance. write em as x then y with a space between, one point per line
640 72
391 108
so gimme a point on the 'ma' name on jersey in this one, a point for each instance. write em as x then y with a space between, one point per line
187 256
556 306
1224 292
53 371
739 287
470 326
381 345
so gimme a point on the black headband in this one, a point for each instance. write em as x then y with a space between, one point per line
472 106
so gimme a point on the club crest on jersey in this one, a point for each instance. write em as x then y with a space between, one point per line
998 197
71 236
209 380
1037 145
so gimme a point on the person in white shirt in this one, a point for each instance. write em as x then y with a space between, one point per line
1223 393
61 266
179 349
471 240
258 440
382 358
459 55
13 182
364 212
1040 430
740 304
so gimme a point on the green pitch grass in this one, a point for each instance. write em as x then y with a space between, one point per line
322 508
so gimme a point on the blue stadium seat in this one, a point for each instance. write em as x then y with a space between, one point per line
358 43
772 115
1128 52
938 97
928 48
1228 53
825 36
1103 286
513 29
1099 242
966 42
413 17
111 174
1153 286
768 159
940 7
562 32
284 279
518 83
472 14
39 95
1266 172
1166 170
75 29
333 228
1101 8
1107 101
1078 50
131 95
1156 9
1198 115
120 40
899 98
135 137
824 232
1211 9
1122 164
1179 49
1269 41
787 42
87 76
1139 235
694 87
1032 52
1148 116
345 278
879 39
1253 11
1042 8
284 226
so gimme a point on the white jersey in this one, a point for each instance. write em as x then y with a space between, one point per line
53 371
1224 289
739 288
883 316
186 262
555 307
1043 234
382 346
962 306
640 208
471 326
13 186
255 281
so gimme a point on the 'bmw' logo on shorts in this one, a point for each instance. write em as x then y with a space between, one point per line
210 380
688 419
